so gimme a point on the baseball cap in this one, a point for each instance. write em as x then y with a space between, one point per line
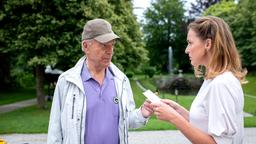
100 30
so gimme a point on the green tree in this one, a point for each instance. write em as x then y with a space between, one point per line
41 32
6 53
131 37
225 10
243 27
164 27
199 6
244 30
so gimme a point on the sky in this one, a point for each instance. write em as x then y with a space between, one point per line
141 5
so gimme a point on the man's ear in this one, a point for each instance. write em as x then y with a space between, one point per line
208 44
84 45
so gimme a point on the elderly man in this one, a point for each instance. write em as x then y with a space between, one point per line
93 101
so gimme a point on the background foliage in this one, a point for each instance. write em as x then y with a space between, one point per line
165 27
243 27
35 33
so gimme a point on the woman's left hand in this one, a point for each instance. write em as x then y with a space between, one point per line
164 111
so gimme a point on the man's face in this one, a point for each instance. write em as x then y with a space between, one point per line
99 54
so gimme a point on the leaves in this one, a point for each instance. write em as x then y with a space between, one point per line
36 31
243 27
200 6
164 27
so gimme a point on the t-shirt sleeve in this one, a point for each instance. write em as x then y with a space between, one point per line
221 108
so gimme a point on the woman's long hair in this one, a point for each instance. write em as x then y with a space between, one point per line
224 54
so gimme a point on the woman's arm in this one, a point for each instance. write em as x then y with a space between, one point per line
194 134
169 114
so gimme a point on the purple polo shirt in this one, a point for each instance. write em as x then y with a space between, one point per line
102 112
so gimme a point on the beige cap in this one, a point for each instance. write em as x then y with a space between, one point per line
100 30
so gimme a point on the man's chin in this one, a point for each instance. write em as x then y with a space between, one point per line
106 64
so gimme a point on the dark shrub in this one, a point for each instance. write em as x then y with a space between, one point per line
149 71
129 74
182 85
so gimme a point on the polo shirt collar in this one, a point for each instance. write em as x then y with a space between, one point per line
86 75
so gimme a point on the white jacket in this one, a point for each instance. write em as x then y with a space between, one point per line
67 118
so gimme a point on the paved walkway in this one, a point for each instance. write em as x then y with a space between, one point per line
17 105
141 137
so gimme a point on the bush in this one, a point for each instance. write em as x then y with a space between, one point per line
149 71
23 79
129 74
182 85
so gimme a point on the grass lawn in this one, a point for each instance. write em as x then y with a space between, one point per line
11 96
250 95
250 101
25 120
250 87
34 120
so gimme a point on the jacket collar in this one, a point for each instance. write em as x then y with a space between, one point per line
73 75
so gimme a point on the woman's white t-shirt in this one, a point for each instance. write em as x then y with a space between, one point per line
218 109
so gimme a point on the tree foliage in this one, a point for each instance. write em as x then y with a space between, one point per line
131 53
41 32
199 6
225 10
164 26
244 30
243 27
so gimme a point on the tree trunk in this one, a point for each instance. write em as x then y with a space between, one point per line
41 103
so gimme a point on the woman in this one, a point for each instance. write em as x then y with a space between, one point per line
216 114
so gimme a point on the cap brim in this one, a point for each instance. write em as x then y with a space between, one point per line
106 37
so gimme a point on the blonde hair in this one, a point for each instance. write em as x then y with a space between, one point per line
225 56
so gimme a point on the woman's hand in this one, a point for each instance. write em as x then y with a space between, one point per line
164 111
178 108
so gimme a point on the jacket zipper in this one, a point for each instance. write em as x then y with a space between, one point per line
123 113
73 105
81 120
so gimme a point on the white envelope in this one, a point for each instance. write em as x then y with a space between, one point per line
151 96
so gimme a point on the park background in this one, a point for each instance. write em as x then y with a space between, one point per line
37 33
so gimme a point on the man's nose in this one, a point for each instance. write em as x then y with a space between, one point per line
109 49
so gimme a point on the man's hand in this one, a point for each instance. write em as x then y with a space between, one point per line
147 109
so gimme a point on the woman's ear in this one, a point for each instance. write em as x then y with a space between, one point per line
208 44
